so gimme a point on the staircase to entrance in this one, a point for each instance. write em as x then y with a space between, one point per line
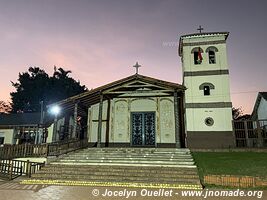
148 167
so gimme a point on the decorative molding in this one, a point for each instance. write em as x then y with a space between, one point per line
118 100
207 73
166 99
149 98
196 49
201 87
128 144
211 48
204 43
209 105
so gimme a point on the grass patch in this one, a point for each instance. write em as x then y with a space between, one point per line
231 163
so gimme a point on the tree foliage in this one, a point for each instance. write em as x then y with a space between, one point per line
238 114
36 85
4 107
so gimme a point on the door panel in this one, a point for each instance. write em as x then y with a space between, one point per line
143 129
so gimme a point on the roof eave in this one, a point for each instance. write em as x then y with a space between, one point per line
199 34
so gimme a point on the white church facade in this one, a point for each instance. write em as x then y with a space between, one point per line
141 111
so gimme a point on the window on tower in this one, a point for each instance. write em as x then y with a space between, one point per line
212 57
212 54
196 60
197 52
206 87
206 90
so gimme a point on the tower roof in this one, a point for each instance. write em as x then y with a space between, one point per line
198 35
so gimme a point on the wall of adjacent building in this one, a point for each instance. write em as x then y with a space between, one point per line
8 134
262 109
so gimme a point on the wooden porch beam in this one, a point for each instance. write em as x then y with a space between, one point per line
138 91
100 121
75 120
177 118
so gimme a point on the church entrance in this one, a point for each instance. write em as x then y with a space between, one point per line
143 129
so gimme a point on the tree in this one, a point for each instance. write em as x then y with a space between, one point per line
36 85
238 114
4 107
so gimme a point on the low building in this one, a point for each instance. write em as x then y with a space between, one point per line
260 107
19 128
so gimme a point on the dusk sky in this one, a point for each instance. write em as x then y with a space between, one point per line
99 40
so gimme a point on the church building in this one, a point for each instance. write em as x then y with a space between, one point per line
141 111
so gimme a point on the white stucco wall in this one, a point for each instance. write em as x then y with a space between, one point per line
195 117
120 118
221 93
50 133
262 109
221 55
8 134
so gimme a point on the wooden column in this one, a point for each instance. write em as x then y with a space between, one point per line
55 130
75 120
107 124
182 121
100 121
177 118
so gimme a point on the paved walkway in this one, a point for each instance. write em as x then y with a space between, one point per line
14 191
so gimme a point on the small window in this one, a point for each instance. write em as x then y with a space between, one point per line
206 87
209 121
212 57
196 60
197 51
206 90
212 54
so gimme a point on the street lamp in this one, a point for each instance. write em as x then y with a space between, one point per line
55 110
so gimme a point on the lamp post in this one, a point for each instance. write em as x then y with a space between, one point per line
55 110
40 132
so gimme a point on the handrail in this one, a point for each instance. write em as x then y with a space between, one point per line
10 169
41 150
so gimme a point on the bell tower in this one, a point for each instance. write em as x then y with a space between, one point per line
208 106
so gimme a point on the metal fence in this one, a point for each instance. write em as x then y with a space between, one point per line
250 133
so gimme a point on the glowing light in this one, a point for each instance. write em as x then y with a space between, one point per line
55 110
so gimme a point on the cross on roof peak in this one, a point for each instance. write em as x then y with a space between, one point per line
136 67
200 29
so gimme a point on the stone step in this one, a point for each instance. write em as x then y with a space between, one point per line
137 149
125 169
106 176
126 164
154 160
133 153
114 178
119 172
130 156
131 159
